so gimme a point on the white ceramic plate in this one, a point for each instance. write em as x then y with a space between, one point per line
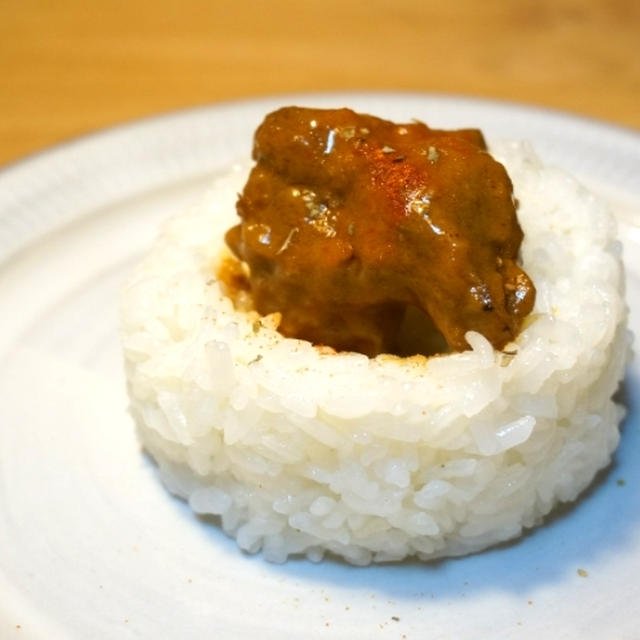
91 545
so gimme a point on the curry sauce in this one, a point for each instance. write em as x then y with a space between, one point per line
351 223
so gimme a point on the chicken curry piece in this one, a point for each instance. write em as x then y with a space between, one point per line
348 221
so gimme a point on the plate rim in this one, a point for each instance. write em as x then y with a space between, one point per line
540 110
30 185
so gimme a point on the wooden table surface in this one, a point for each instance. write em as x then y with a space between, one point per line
71 66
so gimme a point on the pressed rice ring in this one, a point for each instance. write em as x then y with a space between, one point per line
301 450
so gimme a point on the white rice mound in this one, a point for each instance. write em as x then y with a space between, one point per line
302 451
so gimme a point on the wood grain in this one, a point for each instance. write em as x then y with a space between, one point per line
71 66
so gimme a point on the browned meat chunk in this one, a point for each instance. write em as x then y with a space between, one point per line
348 219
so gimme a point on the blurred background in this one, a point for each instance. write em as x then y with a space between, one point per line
68 67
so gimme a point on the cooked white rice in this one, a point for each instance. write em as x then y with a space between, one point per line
302 451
